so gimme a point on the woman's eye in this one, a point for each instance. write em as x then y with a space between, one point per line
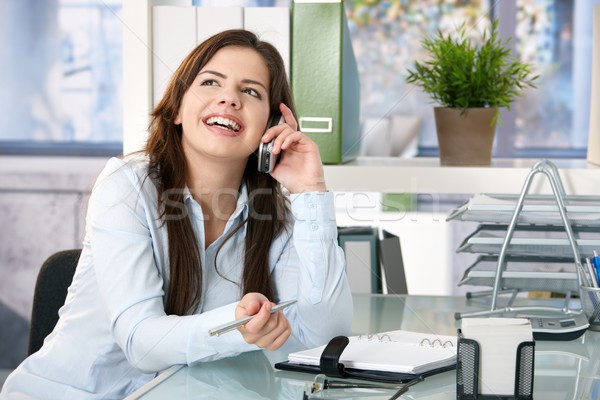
208 82
251 92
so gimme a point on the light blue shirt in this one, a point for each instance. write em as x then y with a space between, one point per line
113 334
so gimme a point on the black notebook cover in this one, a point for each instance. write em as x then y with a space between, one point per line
377 376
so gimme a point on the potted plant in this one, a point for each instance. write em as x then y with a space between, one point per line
471 82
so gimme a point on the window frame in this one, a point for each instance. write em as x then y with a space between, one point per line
68 149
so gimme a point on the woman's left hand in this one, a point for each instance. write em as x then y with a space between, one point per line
299 168
266 330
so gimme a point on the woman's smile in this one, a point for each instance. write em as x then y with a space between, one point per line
225 125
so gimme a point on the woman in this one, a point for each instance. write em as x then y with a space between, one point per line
188 235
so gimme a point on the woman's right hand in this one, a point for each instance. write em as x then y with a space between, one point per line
265 330
300 168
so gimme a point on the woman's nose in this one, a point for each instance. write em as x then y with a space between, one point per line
229 99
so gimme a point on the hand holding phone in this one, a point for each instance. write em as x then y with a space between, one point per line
266 158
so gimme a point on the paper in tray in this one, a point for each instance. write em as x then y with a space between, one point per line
531 240
524 273
537 209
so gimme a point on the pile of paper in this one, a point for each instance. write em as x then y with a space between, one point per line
498 340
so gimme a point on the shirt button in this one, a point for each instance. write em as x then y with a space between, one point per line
314 227
312 205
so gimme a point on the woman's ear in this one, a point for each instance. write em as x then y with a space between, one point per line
177 120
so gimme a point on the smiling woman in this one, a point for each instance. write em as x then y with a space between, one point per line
187 235
224 113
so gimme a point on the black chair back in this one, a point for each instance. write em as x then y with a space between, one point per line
50 293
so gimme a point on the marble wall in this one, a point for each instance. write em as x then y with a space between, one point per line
42 210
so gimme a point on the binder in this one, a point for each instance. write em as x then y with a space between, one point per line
392 264
212 20
272 25
396 356
180 28
173 37
373 264
362 258
177 30
324 78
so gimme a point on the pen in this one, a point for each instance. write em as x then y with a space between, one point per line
221 329
333 384
592 272
596 261
404 388
584 276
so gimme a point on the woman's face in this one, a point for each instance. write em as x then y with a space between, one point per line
225 111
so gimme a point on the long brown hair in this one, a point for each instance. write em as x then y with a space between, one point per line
267 205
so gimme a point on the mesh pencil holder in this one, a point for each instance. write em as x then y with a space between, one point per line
467 372
590 303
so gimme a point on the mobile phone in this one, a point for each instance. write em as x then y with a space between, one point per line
266 159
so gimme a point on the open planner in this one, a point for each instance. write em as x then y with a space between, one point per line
388 356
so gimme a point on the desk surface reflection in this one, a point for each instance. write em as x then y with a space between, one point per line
564 370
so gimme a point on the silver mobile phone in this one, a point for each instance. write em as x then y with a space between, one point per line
266 159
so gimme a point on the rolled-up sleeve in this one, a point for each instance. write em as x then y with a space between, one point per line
311 267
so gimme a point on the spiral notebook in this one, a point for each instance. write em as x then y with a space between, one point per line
395 352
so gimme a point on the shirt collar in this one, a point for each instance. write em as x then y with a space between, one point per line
242 201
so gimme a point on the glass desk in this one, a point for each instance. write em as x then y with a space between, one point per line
563 370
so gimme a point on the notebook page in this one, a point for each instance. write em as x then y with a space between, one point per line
395 351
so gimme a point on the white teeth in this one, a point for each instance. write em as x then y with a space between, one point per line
224 123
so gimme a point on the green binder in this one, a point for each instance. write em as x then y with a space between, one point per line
324 78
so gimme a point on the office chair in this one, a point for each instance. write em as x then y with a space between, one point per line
50 293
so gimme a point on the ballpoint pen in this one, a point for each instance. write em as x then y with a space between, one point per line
221 329
321 383
596 261
405 387
592 273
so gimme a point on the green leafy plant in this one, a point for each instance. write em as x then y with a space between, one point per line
461 74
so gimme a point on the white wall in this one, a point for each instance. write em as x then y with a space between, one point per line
425 238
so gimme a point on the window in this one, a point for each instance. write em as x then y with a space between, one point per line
551 120
61 77
556 37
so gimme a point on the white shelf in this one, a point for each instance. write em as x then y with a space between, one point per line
369 174
425 175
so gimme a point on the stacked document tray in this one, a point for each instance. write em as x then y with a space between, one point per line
538 209
531 240
539 256
552 274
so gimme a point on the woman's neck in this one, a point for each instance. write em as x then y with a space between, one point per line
216 188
